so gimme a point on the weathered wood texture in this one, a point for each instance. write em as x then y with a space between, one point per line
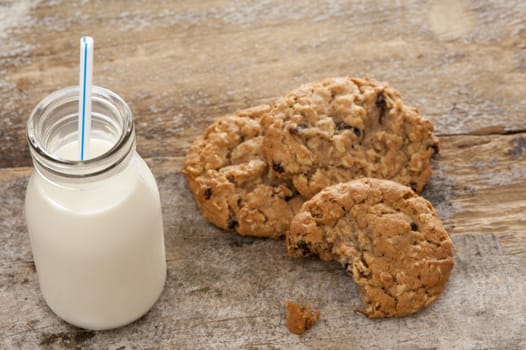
182 64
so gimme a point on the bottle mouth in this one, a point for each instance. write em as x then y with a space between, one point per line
54 123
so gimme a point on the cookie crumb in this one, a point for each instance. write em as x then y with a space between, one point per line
300 317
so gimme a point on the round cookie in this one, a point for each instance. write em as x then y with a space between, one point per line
388 238
340 129
231 182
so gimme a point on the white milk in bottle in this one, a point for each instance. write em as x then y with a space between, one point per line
95 226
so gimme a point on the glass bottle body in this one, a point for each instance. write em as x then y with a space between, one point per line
95 226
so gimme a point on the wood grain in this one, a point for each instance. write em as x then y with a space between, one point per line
181 64
226 291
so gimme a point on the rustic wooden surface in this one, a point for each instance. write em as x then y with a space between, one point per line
181 64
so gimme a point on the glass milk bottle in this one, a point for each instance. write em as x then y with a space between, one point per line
95 225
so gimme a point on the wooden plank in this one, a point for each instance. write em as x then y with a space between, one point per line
478 185
181 64
208 304
225 291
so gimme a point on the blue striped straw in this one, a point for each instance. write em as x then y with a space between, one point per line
86 74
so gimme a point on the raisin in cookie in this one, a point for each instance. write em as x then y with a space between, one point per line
231 182
345 128
388 238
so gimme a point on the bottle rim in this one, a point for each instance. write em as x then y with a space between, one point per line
91 166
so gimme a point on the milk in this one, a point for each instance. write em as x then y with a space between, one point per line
98 244
70 151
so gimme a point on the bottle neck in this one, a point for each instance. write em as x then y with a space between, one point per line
53 124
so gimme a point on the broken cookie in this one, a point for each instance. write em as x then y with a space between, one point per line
387 237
